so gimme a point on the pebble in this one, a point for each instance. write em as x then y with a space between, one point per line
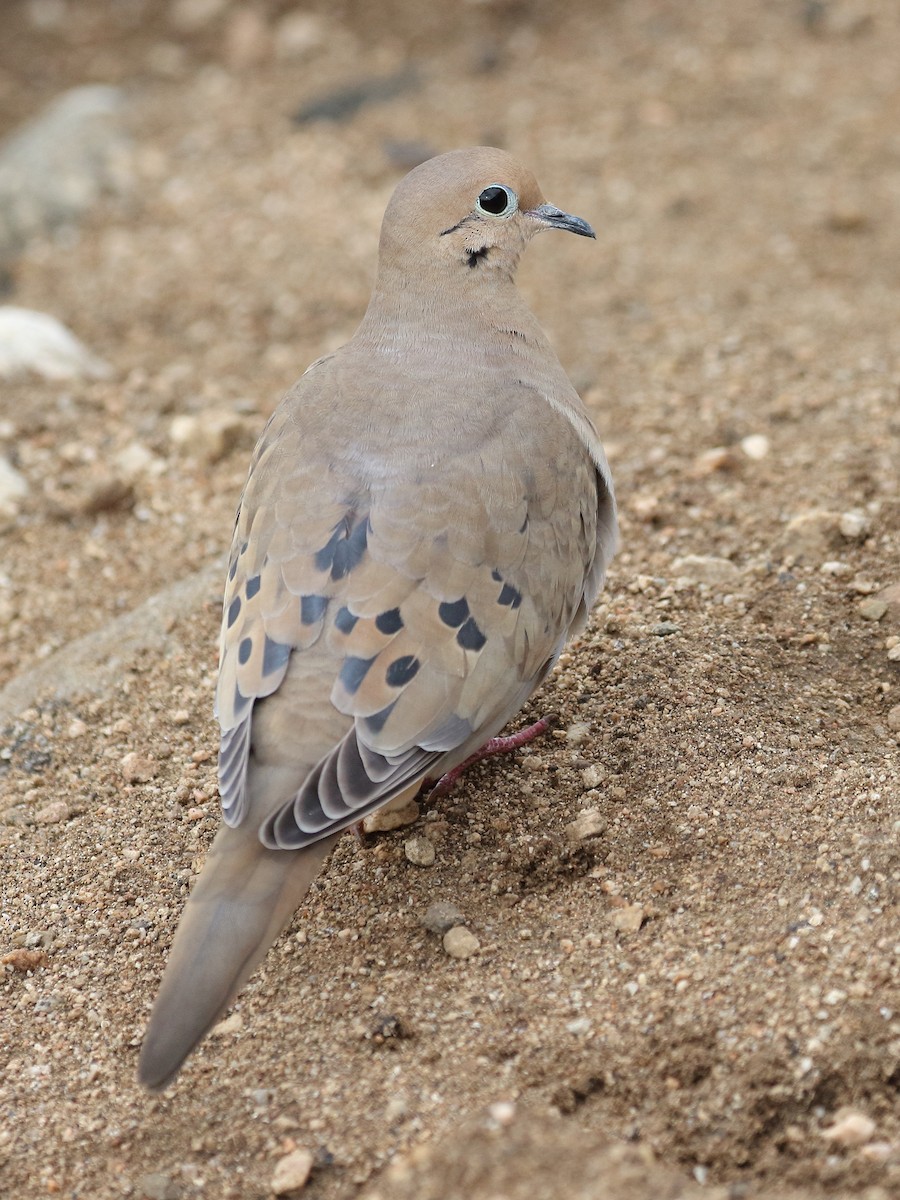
53 813
891 597
157 1186
755 446
894 654
208 436
460 942
291 1172
13 487
705 568
593 776
24 960
853 525
850 1128
589 823
441 916
578 733
387 818
665 629
839 570
136 460
419 850
810 535
36 343
137 768
720 458
231 1024
872 609
628 919
298 34
893 717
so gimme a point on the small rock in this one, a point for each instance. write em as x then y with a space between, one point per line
872 609
850 1128
24 960
209 436
291 1172
419 850
460 942
157 1186
810 535
503 1112
136 460
231 1024
298 34
894 654
387 818
840 570
593 776
588 824
578 733
891 597
705 568
441 916
344 102
755 446
137 768
580 1026
665 629
52 814
893 718
37 343
628 919
720 458
853 526
13 485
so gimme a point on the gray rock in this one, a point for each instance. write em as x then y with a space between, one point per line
441 916
53 169
13 488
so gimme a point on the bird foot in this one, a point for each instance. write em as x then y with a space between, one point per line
496 745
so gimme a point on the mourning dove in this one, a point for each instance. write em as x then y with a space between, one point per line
428 517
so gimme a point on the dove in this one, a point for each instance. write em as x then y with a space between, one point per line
428 518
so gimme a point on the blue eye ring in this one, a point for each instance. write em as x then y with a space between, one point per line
497 200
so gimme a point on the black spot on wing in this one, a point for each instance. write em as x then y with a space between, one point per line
253 586
510 596
234 611
496 576
245 649
275 656
389 622
312 608
344 620
401 671
454 612
470 636
345 548
232 568
354 671
376 722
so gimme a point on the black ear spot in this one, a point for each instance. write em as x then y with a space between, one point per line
475 256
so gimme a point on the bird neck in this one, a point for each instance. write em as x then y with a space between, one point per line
411 314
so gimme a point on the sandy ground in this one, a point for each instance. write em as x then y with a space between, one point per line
702 997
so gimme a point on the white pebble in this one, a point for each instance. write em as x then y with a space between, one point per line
35 342
13 488
628 919
588 824
853 525
755 446
388 818
291 1172
460 942
420 851
850 1128
593 776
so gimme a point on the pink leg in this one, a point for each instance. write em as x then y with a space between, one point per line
496 745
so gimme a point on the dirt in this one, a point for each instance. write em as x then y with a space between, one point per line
708 985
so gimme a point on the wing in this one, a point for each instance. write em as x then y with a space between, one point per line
435 592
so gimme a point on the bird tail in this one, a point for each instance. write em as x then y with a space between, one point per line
244 897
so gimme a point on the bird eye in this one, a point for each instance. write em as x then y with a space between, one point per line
497 201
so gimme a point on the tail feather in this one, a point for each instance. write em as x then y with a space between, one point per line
244 897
